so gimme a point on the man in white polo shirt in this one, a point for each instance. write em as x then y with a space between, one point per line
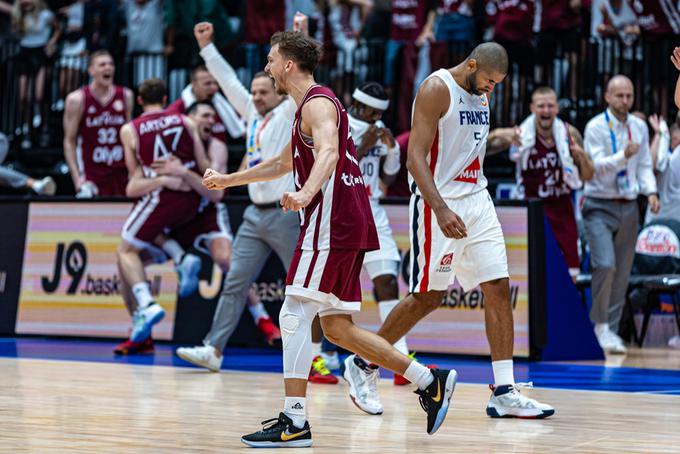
265 227
618 144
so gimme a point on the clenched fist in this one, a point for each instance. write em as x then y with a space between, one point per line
203 31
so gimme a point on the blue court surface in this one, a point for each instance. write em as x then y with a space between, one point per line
542 374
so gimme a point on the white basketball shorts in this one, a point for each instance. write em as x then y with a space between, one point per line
436 260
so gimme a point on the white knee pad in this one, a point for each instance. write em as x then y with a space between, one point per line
382 267
295 320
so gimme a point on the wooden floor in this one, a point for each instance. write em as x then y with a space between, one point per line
78 407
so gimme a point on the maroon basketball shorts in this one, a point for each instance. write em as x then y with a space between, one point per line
159 212
329 277
209 224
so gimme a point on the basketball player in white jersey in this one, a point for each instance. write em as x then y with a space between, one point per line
455 228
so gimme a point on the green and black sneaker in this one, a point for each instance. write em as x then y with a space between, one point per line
280 433
435 398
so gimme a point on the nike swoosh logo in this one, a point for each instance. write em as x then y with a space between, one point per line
438 397
287 437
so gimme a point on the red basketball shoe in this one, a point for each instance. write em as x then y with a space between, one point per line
269 330
319 373
134 348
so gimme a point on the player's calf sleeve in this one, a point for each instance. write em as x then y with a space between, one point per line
384 308
295 320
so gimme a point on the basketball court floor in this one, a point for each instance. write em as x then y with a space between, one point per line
76 396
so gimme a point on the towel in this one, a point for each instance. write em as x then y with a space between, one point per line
234 124
562 141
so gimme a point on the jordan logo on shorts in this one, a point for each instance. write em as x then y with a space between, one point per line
470 174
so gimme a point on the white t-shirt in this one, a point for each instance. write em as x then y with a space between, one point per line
457 154
38 29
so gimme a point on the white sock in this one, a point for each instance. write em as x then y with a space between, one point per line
316 349
384 308
142 293
173 249
296 409
258 311
503 372
419 374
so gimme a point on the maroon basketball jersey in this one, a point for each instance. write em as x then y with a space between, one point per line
658 17
100 147
511 19
161 134
219 130
408 18
544 177
339 216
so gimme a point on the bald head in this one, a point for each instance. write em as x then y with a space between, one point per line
490 57
619 96
619 81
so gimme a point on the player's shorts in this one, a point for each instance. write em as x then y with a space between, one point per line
210 223
436 259
330 277
386 259
159 212
113 184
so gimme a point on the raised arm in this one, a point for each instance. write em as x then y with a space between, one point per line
221 70
431 103
269 169
72 114
675 58
586 169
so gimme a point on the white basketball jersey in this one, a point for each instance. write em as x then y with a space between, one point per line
370 163
457 155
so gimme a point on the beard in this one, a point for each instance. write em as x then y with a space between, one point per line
471 81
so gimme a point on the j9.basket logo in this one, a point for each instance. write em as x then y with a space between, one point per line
70 263
73 259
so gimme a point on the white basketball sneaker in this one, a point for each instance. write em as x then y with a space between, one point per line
203 356
363 385
507 402
144 319
608 340
45 186
187 274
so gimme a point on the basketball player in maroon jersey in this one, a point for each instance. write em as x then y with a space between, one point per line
208 231
94 114
551 163
336 229
165 202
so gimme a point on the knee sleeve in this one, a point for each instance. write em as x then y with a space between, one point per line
295 320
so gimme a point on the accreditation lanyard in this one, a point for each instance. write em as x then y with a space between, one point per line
621 176
611 132
254 145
